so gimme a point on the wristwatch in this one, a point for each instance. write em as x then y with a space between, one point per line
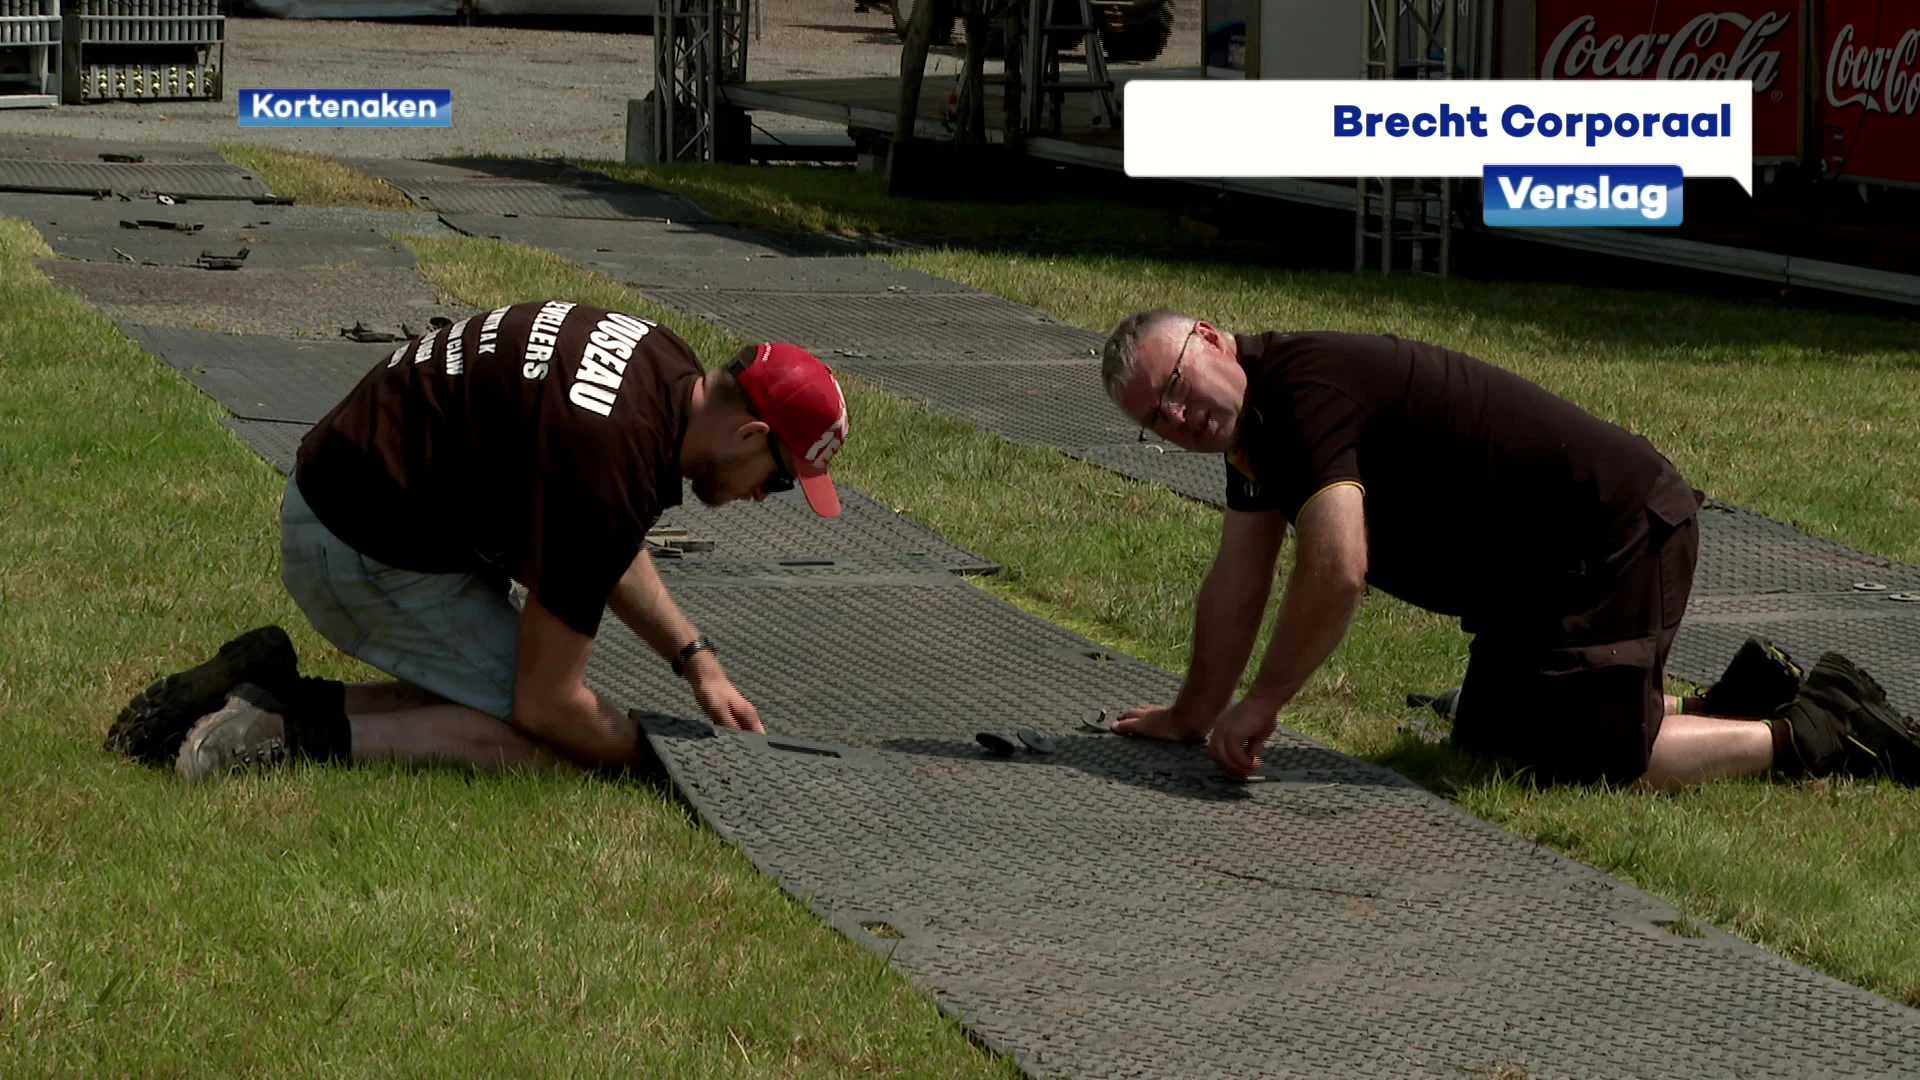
679 662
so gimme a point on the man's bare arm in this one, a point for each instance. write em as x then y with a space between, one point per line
1329 578
1328 581
641 600
1227 615
551 701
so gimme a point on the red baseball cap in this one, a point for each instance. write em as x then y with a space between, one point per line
800 400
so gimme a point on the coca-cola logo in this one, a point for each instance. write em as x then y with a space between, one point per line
1880 79
1695 51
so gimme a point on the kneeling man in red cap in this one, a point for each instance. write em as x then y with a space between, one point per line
536 443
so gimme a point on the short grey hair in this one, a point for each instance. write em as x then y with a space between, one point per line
1122 353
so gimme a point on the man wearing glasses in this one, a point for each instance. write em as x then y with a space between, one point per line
1564 543
536 443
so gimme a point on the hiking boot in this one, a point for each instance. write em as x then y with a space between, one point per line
1444 704
1884 740
153 724
1760 681
248 732
1820 740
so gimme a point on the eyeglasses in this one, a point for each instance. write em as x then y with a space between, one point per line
1168 392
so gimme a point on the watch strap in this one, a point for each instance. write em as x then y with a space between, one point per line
680 660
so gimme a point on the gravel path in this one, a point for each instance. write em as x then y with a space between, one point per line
516 91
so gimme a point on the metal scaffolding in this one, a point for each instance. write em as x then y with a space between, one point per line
698 45
1043 85
1408 221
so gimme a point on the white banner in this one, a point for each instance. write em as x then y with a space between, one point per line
1384 127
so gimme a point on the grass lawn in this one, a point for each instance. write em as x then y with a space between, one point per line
429 923
315 179
1817 871
332 922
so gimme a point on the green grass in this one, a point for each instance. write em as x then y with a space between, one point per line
1811 416
426 922
842 202
314 179
1798 413
366 922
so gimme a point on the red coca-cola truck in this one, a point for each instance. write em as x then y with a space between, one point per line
1869 90
1836 83
1761 40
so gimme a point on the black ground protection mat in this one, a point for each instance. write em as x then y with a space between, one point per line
305 303
1877 633
874 652
191 180
784 527
276 388
1755 576
47 208
1200 477
1325 923
1742 554
84 213
541 191
1745 558
1057 405
718 567
811 276
620 243
533 198
278 443
1115 909
1754 554
956 327
69 148
1808 595
267 247
258 377
444 170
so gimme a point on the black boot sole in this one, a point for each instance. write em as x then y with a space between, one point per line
154 724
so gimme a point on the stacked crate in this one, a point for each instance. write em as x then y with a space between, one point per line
29 52
143 50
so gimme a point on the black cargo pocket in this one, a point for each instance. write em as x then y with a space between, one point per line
1574 714
1676 560
1673 503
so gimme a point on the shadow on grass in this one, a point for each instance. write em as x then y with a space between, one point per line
1022 209
1027 209
648 775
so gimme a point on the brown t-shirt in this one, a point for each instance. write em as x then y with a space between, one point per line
1481 487
538 442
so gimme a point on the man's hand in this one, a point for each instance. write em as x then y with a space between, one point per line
642 602
1158 722
723 703
1240 734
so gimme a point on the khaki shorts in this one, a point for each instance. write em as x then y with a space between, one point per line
455 635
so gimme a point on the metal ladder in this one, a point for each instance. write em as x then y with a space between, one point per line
1046 87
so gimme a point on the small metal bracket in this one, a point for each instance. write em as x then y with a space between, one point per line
210 261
